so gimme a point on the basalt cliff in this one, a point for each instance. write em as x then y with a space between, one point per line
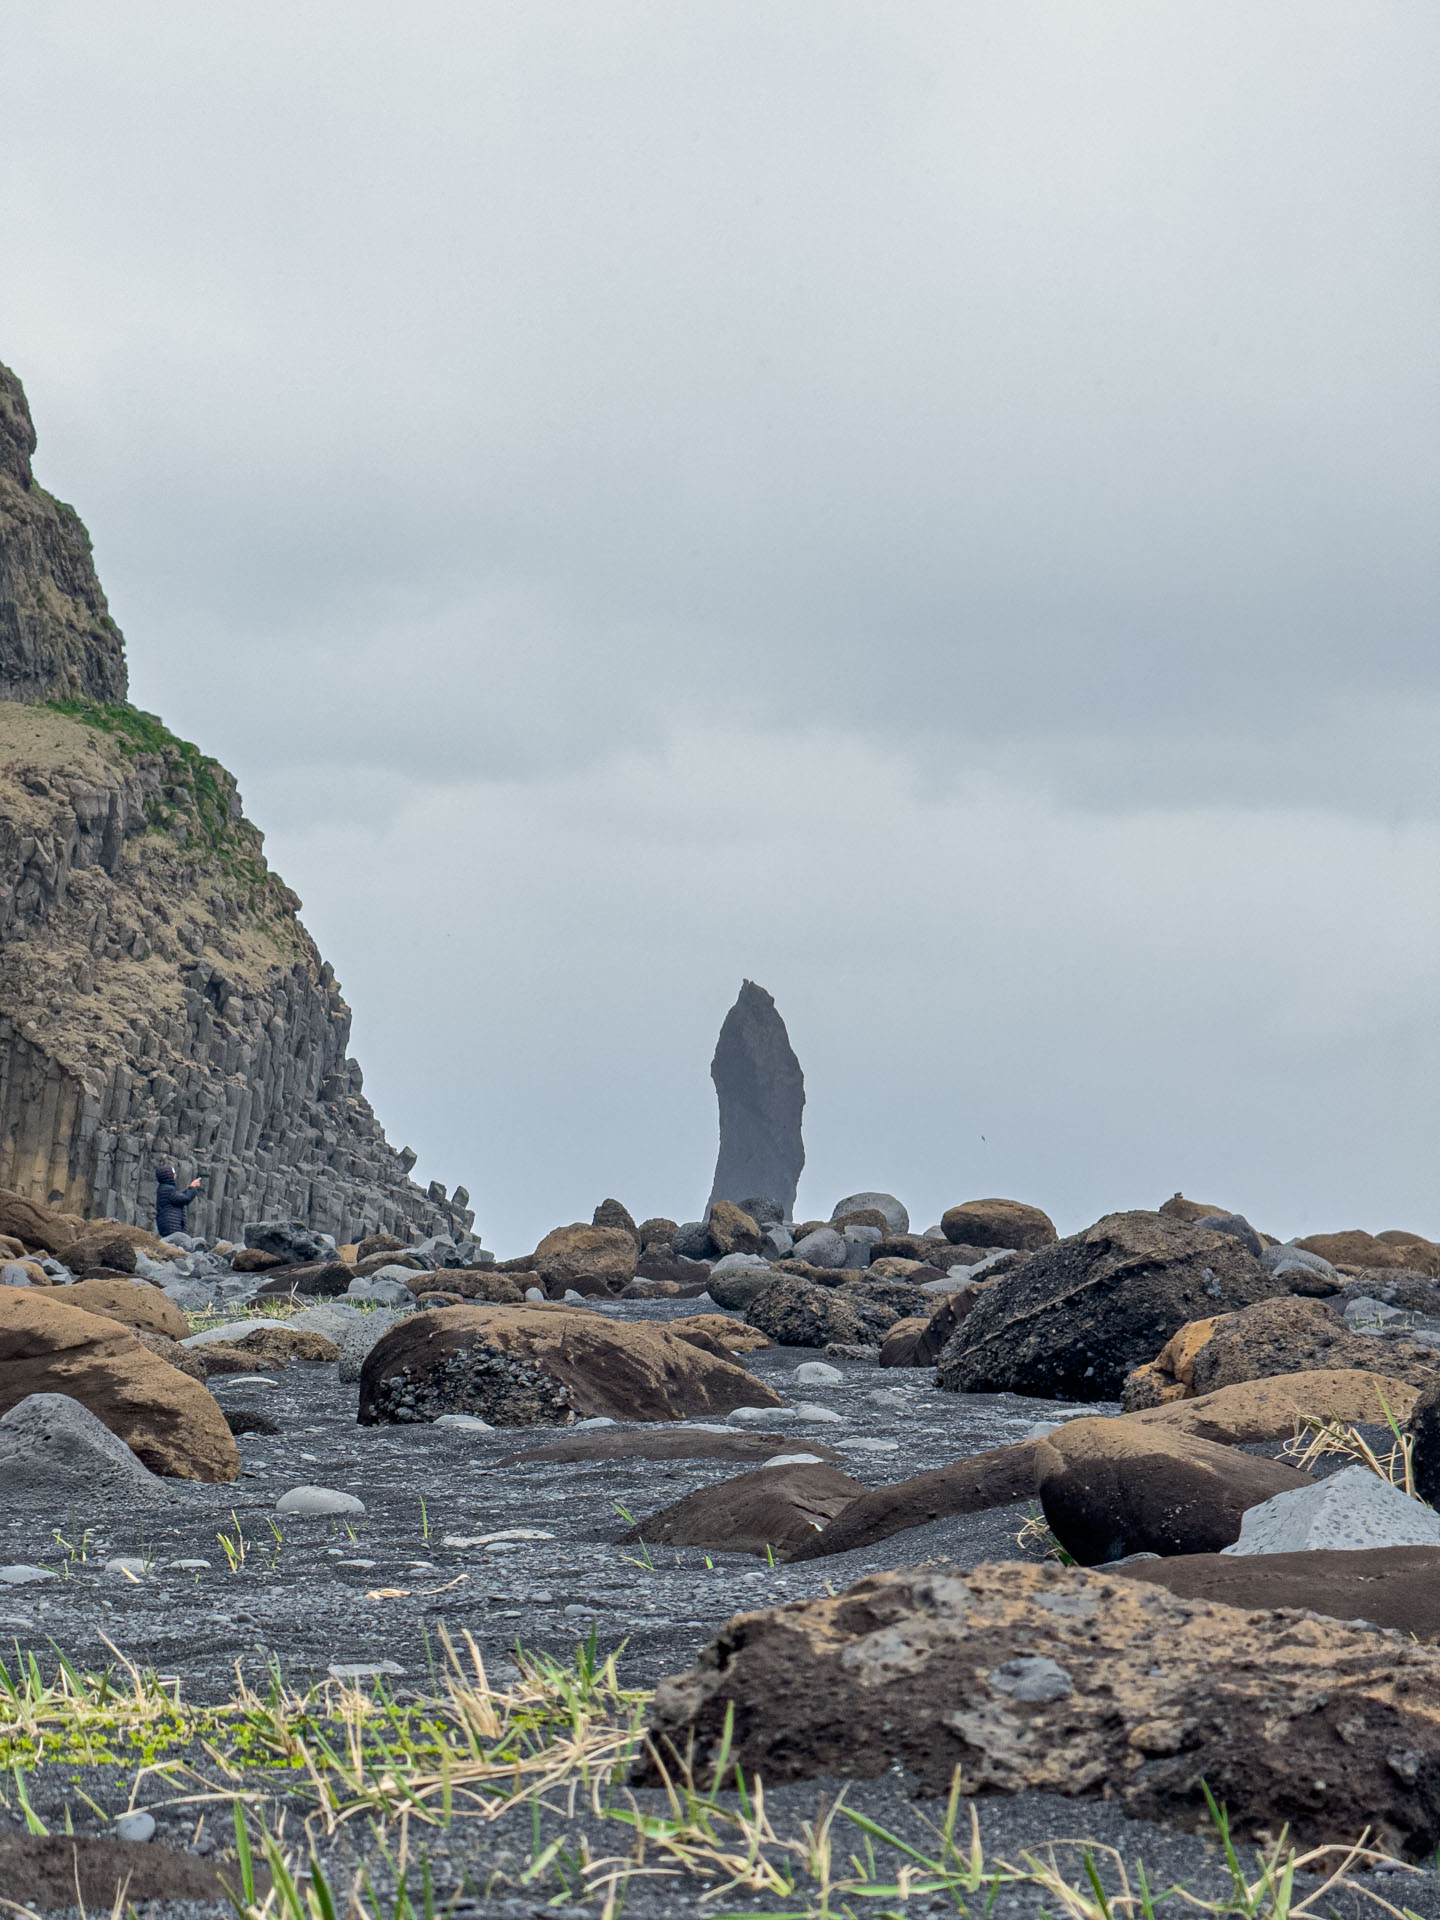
159 996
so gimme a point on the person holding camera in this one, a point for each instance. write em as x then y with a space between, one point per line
170 1202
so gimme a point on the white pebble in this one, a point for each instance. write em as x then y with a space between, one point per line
760 1416
869 1446
361 1670
818 1373
599 1420
795 1460
21 1576
812 1410
466 1422
135 1826
318 1500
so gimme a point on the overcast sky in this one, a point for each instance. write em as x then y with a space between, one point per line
932 508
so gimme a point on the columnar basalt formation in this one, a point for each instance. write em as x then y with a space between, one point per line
761 1091
159 996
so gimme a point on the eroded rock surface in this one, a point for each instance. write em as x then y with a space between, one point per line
761 1092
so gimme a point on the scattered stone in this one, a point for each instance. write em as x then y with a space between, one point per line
362 1669
128 1566
811 1410
602 1253
998 1223
1076 1318
739 1286
464 1422
314 1501
24 1576
169 1422
774 1508
761 1093
755 1416
798 1313
900 1672
817 1373
1351 1509
1111 1488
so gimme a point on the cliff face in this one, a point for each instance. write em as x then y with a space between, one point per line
159 997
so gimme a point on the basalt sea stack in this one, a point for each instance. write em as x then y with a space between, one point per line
159 997
761 1091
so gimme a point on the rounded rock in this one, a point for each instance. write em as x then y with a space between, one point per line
316 1501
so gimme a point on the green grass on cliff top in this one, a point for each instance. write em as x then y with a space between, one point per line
136 732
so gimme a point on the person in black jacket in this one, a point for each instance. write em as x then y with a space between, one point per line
170 1202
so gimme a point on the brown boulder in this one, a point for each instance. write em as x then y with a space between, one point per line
375 1262
732 1335
168 1421
606 1253
1353 1248
1111 1488
1396 1587
770 1510
659 1263
374 1243
1074 1319
732 1230
1300 1336
610 1213
252 1260
283 1344
114 1244
998 1223
546 1364
132 1304
34 1225
920 1342
992 1479
1177 1207
796 1312
1074 1683
1271 1409
1167 1376
328 1278
471 1283
219 1357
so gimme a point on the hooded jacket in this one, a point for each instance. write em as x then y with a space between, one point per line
171 1202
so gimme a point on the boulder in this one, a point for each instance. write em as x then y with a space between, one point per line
1298 1336
761 1094
992 1479
769 1510
998 1223
252 1260
1076 1318
131 1303
893 1216
691 1241
168 1421
1422 1423
1270 1409
549 1364
26 1273
1074 1683
1304 1272
1111 1488
280 1345
1177 1207
472 1283
920 1342
1395 1587
325 1279
732 1334
289 1240
1349 1510
823 1247
174 1353
34 1225
737 1288
657 1262
372 1263
1167 1376
610 1213
604 1253
657 1231
797 1313
54 1449
1354 1248
1237 1226
731 1230
765 1213
377 1243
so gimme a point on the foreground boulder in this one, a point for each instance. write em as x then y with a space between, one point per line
34 1225
1075 1683
54 1450
1346 1512
998 1223
772 1509
1110 1488
545 1365
1076 1318
169 1421
1395 1587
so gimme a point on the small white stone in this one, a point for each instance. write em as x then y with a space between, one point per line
599 1420
21 1576
869 1446
795 1460
246 1380
534 1293
135 1826
490 1539
812 1410
190 1566
818 1373
318 1500
760 1416
127 1565
361 1669
465 1422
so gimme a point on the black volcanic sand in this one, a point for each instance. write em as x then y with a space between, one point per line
379 1587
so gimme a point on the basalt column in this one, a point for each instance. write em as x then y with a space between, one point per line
761 1091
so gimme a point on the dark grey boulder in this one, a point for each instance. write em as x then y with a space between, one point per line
761 1092
1075 1318
54 1450
765 1213
794 1312
823 1248
692 1241
289 1240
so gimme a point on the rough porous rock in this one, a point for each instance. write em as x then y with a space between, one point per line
797 1313
1111 1488
1297 1336
580 1252
1076 1318
1356 1248
500 1362
998 1223
761 1095
773 1508
132 1304
168 1421
471 1283
919 1342
54 1449
732 1230
1347 1511
1396 1587
325 1278
1270 1409
610 1213
1075 1683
